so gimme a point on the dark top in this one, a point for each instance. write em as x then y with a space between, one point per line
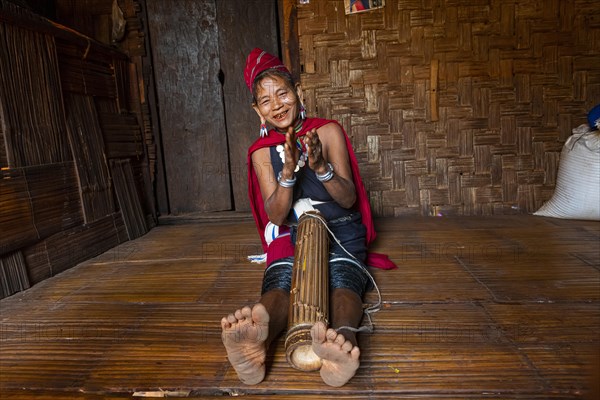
344 223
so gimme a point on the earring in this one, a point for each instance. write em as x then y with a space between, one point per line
302 111
263 129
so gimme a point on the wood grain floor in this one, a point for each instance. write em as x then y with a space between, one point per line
494 307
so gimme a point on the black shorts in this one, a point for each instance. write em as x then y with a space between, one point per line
344 273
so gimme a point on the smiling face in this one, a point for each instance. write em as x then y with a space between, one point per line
277 102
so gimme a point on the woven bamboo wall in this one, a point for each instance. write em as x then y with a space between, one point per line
65 110
454 107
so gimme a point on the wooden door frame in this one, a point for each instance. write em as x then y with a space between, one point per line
290 43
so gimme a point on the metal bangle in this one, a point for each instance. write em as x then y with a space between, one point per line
286 183
327 176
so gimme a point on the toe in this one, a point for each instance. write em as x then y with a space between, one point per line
246 312
232 319
318 332
347 346
224 323
239 315
331 335
259 314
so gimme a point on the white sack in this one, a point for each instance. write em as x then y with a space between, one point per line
577 191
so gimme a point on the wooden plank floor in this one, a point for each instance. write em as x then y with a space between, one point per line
494 307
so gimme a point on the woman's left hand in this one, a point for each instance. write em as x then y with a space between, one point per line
314 149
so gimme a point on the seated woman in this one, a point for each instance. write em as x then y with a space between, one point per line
301 158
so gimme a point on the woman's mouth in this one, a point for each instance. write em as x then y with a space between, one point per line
280 116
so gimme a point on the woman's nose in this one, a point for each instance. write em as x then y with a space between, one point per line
277 102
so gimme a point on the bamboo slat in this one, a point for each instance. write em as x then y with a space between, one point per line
16 213
67 248
122 135
3 157
121 229
106 105
54 195
38 262
13 274
128 198
151 148
121 74
33 122
88 150
83 72
36 202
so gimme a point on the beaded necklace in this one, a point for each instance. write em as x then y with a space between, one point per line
303 154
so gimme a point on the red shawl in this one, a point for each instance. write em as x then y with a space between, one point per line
282 246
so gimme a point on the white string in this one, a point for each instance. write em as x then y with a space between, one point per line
369 310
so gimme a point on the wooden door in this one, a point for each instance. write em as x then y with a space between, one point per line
243 25
199 50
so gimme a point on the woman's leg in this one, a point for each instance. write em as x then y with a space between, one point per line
346 310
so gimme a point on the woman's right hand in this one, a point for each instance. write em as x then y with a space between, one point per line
292 154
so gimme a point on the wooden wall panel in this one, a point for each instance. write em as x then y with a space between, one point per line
128 198
56 197
33 121
88 150
18 227
185 52
472 99
242 122
36 202
69 247
131 81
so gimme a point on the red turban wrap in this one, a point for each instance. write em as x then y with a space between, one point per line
259 60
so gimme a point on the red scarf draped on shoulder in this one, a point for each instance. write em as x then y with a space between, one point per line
282 246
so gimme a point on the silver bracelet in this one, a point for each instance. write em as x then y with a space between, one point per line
327 176
286 183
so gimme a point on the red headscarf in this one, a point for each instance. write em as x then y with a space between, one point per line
259 60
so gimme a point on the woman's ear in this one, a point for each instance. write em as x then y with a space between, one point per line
255 107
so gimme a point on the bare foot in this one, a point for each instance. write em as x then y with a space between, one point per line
340 356
244 334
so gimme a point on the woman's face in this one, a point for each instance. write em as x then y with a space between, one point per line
277 102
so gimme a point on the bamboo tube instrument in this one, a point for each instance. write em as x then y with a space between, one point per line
309 295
